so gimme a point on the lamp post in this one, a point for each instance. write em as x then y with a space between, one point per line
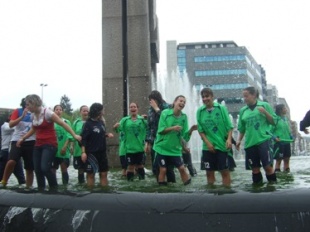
42 86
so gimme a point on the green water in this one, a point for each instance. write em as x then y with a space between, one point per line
299 177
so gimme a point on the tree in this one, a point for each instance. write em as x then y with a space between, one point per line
66 105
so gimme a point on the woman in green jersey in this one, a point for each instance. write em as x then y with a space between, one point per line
121 150
254 124
62 157
172 128
76 149
282 137
215 130
133 128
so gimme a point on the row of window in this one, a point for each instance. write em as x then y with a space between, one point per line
220 72
201 59
223 86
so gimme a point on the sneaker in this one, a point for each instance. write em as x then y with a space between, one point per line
287 170
277 170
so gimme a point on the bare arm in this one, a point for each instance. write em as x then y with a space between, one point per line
26 136
13 123
207 142
169 129
239 141
60 122
268 116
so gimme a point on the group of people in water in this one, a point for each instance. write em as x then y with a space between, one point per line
45 141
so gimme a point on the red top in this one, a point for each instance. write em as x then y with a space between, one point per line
45 133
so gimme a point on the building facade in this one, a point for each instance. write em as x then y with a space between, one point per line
223 66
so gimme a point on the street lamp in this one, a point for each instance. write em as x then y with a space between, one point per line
42 86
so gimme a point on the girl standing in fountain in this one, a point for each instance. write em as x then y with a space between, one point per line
62 158
157 105
6 136
134 128
172 128
45 148
254 123
94 147
215 130
21 121
75 146
282 137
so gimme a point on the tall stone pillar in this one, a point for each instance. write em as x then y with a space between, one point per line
142 58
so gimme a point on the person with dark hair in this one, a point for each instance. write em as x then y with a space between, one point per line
62 157
157 105
215 130
21 121
254 124
45 148
172 129
305 123
6 136
134 128
94 153
282 139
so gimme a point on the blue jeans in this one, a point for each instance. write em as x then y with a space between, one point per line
43 157
18 170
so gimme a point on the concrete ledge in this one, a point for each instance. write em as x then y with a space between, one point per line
287 210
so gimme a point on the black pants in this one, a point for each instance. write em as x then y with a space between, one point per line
187 158
155 168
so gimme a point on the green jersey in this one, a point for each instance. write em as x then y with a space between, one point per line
134 133
170 144
77 128
215 124
122 147
62 137
254 124
282 130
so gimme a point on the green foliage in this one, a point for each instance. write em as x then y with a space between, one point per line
73 116
66 105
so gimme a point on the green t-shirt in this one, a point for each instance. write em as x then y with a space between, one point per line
282 130
215 124
254 124
77 128
62 137
134 133
170 144
122 147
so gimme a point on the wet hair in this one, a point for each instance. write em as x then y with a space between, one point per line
207 92
8 118
176 98
34 100
23 103
57 106
156 95
82 107
279 109
252 90
95 110
135 104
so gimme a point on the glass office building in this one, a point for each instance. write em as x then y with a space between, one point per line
222 66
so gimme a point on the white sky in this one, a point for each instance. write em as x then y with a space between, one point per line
58 42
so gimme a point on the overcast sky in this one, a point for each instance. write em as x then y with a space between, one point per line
58 42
